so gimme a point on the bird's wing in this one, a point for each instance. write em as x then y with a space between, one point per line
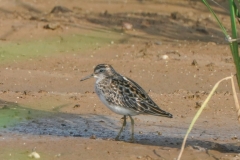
135 98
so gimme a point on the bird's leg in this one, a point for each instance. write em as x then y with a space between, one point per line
124 124
132 123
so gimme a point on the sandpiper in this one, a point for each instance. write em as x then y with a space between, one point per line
123 96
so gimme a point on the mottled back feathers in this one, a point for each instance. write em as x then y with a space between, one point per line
124 92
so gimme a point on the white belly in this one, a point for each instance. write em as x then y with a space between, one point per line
117 109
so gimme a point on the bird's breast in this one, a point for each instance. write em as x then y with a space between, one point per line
108 101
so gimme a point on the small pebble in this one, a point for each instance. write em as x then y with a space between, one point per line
165 57
88 148
34 155
58 155
194 62
127 26
76 106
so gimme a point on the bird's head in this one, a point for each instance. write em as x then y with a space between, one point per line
101 71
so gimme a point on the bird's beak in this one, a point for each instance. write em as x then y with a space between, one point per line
90 76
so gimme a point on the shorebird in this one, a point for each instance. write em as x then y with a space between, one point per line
123 96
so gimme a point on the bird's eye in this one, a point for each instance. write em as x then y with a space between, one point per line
101 70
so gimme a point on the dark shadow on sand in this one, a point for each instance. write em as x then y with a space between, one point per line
36 122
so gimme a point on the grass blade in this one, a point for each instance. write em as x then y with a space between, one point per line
199 112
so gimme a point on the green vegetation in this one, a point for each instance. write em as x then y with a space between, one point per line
231 39
11 115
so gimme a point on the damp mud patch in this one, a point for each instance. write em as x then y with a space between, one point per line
92 126
25 121
62 124
18 120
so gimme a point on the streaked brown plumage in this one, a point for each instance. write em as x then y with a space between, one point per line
123 96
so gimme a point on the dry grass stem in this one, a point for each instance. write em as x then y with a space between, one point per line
204 105
235 99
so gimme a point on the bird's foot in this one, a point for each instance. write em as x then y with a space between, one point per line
117 138
132 140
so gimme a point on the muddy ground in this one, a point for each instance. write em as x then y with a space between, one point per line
46 49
